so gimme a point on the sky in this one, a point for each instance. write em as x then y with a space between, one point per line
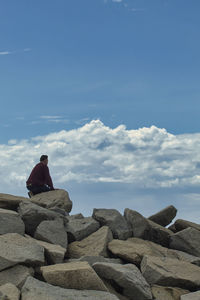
109 89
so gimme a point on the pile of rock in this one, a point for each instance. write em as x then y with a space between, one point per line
45 253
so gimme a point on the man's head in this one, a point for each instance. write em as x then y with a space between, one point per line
44 159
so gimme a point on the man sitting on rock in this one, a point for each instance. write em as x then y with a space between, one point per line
40 180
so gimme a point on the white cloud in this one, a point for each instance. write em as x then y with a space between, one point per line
54 119
5 52
95 154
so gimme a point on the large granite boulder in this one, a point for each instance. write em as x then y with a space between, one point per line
32 215
79 228
170 272
134 249
74 275
9 291
187 240
8 201
54 253
165 216
114 220
95 244
128 277
181 224
167 293
191 296
57 198
10 221
52 232
16 275
34 289
16 249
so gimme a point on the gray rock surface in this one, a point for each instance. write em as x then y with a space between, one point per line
33 215
54 253
16 249
114 220
187 240
10 221
16 275
128 277
159 234
170 272
95 244
94 259
52 232
165 216
167 293
181 224
191 296
57 198
74 275
9 291
37 290
8 201
138 224
79 228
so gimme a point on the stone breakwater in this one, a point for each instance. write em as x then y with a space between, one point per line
46 253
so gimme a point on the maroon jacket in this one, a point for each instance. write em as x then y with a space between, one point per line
40 176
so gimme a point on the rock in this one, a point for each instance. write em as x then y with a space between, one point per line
139 224
94 259
9 291
134 249
95 244
54 253
76 216
8 201
128 277
183 224
16 249
10 221
170 272
167 293
191 296
75 275
112 290
79 228
33 215
187 240
57 198
165 216
16 275
52 232
34 289
115 221
147 229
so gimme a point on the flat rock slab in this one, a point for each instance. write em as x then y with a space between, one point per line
75 275
37 290
54 253
9 292
57 198
10 221
79 228
16 275
128 277
114 220
52 232
187 240
32 215
8 201
94 259
191 296
16 249
134 249
95 244
165 216
167 293
170 272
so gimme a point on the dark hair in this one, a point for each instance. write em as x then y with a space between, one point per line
43 157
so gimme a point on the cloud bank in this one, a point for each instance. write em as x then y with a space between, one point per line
146 157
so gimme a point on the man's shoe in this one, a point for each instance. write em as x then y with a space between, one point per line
30 194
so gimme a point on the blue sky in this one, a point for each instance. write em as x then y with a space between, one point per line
64 64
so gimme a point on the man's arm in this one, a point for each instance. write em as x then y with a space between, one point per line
48 179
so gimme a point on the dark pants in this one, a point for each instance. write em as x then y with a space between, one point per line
36 189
